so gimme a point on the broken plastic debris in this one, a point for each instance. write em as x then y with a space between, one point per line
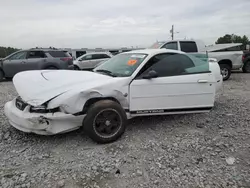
230 160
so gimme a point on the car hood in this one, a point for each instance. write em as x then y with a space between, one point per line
38 87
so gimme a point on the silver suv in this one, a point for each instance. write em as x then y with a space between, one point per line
91 60
34 59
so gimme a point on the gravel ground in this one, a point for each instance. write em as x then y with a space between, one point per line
199 150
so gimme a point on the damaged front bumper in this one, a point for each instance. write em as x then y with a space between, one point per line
41 123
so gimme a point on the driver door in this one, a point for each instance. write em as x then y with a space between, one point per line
181 86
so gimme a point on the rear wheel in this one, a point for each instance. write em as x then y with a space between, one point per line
105 121
246 67
76 67
1 75
225 71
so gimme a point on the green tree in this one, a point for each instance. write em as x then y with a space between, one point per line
6 51
225 39
233 39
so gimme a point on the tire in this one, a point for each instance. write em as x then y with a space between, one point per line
246 67
51 68
225 71
76 68
1 75
105 121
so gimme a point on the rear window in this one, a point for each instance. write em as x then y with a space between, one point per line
59 54
188 47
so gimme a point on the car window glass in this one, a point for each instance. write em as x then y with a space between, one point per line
176 64
201 63
122 65
103 56
97 56
18 55
151 62
171 46
36 54
87 57
59 54
188 46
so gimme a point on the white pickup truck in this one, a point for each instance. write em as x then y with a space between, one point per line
229 56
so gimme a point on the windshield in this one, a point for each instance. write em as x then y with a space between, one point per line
122 65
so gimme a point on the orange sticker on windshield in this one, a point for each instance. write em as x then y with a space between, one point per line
131 62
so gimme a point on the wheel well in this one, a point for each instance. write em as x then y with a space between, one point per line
226 61
94 100
51 66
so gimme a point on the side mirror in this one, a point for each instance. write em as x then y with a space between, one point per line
151 74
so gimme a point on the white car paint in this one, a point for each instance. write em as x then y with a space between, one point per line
69 91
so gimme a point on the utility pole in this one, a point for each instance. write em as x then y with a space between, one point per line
172 32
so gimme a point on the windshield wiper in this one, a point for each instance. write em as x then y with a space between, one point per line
106 72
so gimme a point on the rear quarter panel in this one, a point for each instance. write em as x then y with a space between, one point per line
53 62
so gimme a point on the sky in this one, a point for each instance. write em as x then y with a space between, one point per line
118 23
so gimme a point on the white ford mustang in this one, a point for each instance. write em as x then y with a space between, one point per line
136 83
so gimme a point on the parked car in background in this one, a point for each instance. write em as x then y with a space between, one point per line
137 83
34 59
229 56
246 62
91 60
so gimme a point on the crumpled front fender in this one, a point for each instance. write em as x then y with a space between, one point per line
74 103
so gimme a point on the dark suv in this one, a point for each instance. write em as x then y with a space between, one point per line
246 61
34 59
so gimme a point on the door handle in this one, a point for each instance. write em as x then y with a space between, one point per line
202 81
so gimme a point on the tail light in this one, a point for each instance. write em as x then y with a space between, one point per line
66 58
243 57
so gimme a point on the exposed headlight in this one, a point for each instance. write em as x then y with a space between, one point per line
38 109
42 109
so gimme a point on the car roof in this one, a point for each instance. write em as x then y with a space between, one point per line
97 53
154 51
46 49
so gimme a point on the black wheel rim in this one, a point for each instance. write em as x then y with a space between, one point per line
107 123
224 72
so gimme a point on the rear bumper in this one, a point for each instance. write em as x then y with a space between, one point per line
42 124
237 66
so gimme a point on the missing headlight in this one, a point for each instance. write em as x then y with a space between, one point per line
42 109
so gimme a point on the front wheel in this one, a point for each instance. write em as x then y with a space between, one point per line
76 68
246 67
225 71
105 121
